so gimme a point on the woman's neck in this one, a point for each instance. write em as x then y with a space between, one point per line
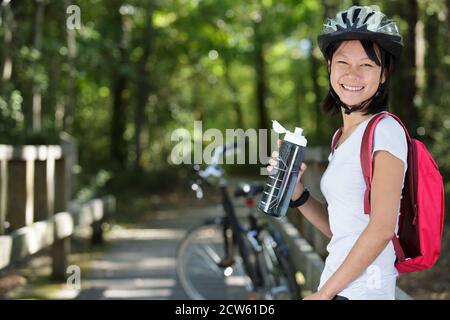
352 120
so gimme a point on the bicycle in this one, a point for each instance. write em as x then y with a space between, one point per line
208 265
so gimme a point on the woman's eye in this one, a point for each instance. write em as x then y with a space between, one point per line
367 65
343 62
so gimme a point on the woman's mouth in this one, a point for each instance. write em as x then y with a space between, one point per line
352 88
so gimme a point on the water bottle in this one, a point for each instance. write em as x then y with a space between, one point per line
281 183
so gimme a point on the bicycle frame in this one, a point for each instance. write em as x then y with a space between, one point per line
238 234
247 241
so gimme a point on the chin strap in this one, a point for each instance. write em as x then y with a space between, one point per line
350 109
354 108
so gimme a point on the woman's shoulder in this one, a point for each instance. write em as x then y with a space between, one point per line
390 135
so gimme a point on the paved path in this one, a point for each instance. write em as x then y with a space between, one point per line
141 262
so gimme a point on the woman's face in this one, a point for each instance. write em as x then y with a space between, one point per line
354 77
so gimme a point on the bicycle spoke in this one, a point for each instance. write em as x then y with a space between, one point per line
210 258
200 270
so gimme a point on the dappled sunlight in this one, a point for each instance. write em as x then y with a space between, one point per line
146 263
147 234
137 293
124 283
201 211
131 288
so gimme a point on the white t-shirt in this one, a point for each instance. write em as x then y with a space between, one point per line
342 185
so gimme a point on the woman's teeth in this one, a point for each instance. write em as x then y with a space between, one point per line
351 88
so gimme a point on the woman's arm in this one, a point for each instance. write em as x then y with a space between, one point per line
314 211
385 200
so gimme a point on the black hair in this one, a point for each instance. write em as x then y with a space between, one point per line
380 100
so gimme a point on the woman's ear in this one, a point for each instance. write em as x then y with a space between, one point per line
329 66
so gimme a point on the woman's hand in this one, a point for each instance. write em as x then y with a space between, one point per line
299 186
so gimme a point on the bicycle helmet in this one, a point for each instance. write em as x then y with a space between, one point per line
362 23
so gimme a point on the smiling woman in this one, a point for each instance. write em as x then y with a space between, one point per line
360 46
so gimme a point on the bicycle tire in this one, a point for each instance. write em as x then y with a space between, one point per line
192 271
280 268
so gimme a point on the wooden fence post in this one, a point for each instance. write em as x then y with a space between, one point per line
40 191
3 193
21 188
50 178
44 185
61 247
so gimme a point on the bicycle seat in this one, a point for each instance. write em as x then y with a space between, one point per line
248 190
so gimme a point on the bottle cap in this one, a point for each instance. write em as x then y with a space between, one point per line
295 137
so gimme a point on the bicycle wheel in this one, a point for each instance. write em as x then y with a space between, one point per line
202 270
277 267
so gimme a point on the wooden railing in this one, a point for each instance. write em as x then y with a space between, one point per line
36 207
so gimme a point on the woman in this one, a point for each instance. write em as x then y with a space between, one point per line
361 46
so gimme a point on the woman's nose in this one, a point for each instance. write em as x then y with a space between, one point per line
353 71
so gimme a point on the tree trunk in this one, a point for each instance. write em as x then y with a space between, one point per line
403 85
330 8
447 47
196 105
70 101
432 61
314 63
119 148
234 94
410 88
37 44
7 64
260 77
448 25
142 88
299 91
119 120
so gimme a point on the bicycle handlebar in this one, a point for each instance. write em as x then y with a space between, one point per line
213 169
200 175
226 150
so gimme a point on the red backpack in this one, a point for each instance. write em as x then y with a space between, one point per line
422 205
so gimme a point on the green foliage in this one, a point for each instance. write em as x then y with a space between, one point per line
198 63
11 117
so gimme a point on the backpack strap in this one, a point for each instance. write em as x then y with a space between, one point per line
398 249
335 139
367 167
366 157
366 153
